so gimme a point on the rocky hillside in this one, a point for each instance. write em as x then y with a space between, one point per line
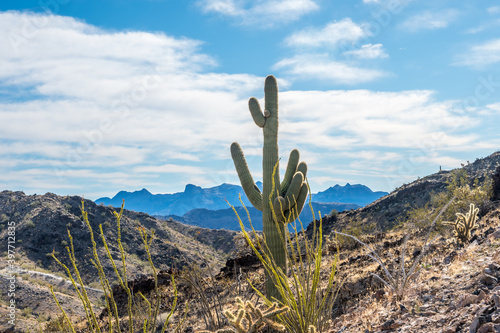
386 211
42 222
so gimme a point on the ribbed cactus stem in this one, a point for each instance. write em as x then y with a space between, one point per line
279 202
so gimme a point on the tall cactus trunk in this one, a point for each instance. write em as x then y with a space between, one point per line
280 203
274 233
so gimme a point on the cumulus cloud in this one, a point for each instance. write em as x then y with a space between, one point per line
260 13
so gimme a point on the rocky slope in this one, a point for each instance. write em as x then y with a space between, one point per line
386 211
42 223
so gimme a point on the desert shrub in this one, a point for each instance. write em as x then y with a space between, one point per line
467 191
354 228
3 218
27 312
207 298
57 325
462 190
29 223
141 312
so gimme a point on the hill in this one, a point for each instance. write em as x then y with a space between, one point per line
385 212
42 222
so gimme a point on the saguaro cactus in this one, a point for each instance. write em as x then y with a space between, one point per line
279 202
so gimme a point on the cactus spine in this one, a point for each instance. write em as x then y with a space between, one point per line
279 202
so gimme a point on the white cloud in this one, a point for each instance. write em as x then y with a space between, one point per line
170 168
368 51
330 35
494 10
387 3
321 52
405 119
428 20
316 66
480 56
108 111
486 25
260 13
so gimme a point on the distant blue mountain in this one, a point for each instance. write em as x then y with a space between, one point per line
214 198
180 203
357 194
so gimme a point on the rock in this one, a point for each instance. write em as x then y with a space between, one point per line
482 296
379 294
488 327
496 234
474 326
447 260
390 325
495 317
488 280
467 300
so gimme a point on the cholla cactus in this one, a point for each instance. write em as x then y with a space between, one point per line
279 202
249 319
465 223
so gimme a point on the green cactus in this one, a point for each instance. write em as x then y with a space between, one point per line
249 319
465 223
279 202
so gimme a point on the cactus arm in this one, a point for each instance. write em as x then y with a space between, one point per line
284 205
301 199
258 117
293 190
246 179
302 168
291 168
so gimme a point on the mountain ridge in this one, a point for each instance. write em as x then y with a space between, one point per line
217 197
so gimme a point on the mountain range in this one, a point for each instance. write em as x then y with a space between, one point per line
209 207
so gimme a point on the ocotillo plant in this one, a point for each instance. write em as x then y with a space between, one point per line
279 202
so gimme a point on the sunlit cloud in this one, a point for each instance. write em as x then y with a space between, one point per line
481 55
102 110
262 14
330 53
430 20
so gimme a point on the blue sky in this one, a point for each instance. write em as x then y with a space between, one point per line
109 95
